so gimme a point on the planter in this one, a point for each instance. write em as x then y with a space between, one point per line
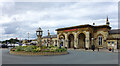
38 53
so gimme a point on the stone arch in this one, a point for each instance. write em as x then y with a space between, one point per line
62 39
69 34
61 36
100 35
71 41
81 40
80 33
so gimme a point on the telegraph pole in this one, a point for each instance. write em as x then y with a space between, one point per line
28 37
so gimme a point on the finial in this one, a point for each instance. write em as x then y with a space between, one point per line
107 21
93 23
107 18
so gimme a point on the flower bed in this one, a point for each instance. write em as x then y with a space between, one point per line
35 50
37 53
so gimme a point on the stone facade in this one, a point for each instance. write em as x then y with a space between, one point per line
84 36
49 41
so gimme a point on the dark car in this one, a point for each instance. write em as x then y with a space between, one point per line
4 46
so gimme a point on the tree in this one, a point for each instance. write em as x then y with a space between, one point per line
12 41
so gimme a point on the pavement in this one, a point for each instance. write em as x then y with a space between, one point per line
74 57
96 50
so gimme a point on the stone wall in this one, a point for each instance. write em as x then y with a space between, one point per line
104 37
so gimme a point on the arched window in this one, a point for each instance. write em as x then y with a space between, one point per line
44 41
100 40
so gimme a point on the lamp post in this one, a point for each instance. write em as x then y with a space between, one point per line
39 36
28 37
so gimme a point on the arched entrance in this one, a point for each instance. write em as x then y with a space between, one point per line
71 41
81 40
62 39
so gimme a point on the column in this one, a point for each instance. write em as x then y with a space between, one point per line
87 40
54 42
66 41
75 40
77 43
63 42
57 40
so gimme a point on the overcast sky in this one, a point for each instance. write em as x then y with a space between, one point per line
19 18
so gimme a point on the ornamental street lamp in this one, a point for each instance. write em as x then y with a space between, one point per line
39 36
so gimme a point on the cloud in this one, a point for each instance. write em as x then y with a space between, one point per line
22 17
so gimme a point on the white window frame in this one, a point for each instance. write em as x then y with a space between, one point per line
100 40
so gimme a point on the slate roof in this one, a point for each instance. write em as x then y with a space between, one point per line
114 31
81 26
51 36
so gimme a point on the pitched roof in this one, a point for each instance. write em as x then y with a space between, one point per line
114 31
81 26
51 36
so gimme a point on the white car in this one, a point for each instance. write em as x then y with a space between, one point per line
16 45
13 45
9 45
24 45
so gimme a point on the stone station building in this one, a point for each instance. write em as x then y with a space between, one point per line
84 36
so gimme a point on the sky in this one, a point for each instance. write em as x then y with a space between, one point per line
19 18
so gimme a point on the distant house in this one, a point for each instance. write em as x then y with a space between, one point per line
49 40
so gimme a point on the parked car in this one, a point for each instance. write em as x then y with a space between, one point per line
16 45
4 46
24 45
9 45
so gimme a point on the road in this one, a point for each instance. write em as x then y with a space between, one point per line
74 57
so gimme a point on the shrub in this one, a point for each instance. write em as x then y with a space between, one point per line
24 46
16 50
53 49
46 50
44 47
51 46
34 47
12 49
64 49
61 50
36 50
19 48
28 49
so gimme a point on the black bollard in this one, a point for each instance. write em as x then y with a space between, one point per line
98 49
